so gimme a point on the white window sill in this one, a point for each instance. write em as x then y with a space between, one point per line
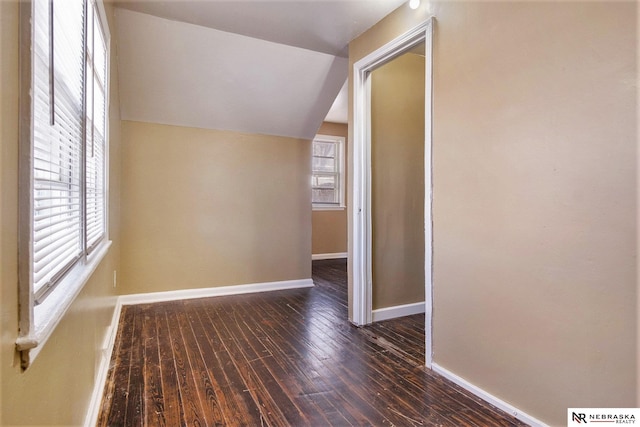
47 315
328 208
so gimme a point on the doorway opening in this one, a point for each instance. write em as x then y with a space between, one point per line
361 233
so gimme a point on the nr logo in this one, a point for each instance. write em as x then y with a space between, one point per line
579 418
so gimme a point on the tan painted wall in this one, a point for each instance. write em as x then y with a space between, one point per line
56 389
329 231
397 181
329 228
534 153
205 208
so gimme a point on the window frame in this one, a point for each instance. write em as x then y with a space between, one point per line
38 321
341 188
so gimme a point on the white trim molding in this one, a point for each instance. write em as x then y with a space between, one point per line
213 292
320 208
398 311
488 397
91 419
336 255
49 314
93 410
360 210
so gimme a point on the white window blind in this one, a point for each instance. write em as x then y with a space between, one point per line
96 131
326 179
69 138
57 140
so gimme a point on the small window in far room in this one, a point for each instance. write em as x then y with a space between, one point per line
327 180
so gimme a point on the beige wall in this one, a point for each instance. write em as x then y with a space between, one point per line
534 166
397 181
205 208
56 389
329 228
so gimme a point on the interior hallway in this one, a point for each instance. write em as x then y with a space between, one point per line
279 358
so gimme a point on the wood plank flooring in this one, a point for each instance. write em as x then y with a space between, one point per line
283 358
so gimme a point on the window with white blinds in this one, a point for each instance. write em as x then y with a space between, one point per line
327 183
63 210
68 139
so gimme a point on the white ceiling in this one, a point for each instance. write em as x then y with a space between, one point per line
269 67
339 111
320 25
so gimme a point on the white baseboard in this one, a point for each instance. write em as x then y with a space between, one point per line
488 397
107 349
397 311
101 376
336 255
213 292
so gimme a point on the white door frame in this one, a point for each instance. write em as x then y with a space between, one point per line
361 182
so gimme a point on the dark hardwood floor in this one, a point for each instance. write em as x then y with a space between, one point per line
283 358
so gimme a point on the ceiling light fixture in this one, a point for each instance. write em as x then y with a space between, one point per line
414 4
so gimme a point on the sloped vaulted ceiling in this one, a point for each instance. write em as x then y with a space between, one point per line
267 67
